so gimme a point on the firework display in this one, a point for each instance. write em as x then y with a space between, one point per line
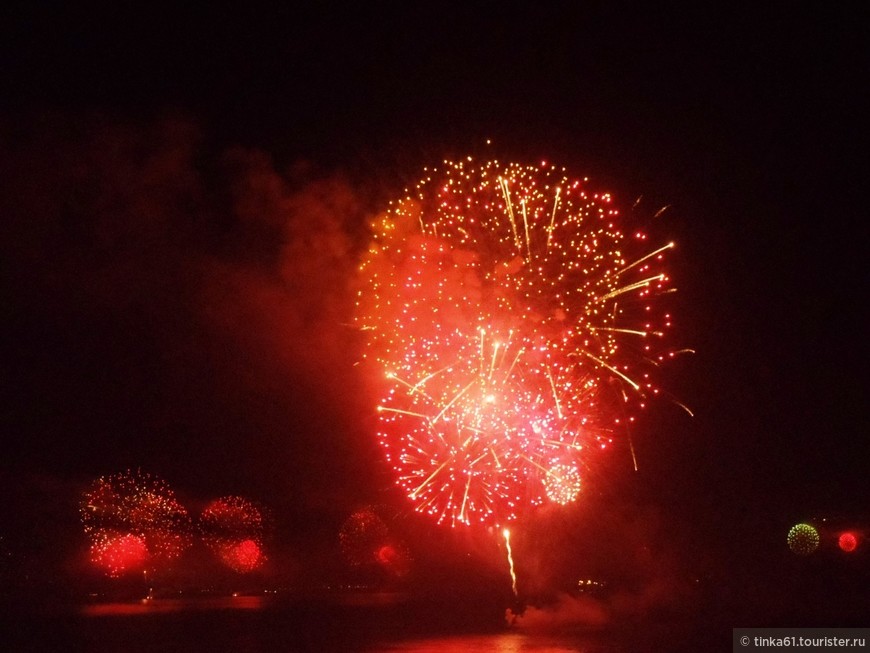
366 540
847 542
361 536
513 322
803 539
132 518
232 527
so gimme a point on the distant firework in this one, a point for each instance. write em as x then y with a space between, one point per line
366 540
803 539
562 483
847 542
514 323
121 510
361 536
232 527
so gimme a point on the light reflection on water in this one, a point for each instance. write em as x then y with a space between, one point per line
156 606
352 624
494 643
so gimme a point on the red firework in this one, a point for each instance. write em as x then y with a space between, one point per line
847 542
232 527
124 509
243 556
366 541
514 328
119 554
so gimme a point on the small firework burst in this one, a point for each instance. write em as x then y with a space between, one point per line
803 539
562 483
233 528
367 541
847 541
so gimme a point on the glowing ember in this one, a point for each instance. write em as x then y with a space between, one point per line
514 323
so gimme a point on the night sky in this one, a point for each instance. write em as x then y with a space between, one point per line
184 194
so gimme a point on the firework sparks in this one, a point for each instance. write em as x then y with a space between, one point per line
132 518
361 536
367 541
803 539
562 483
514 321
232 527
118 554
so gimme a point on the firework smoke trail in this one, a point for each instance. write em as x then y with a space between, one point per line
514 324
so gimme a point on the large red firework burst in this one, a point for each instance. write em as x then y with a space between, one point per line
514 323
133 518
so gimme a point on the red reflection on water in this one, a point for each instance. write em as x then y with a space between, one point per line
503 643
154 606
370 598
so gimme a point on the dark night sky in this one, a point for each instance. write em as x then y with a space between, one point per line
161 306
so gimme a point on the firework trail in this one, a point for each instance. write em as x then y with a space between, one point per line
507 542
514 325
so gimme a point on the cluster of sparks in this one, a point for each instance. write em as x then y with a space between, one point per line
133 519
135 523
803 539
515 326
232 527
